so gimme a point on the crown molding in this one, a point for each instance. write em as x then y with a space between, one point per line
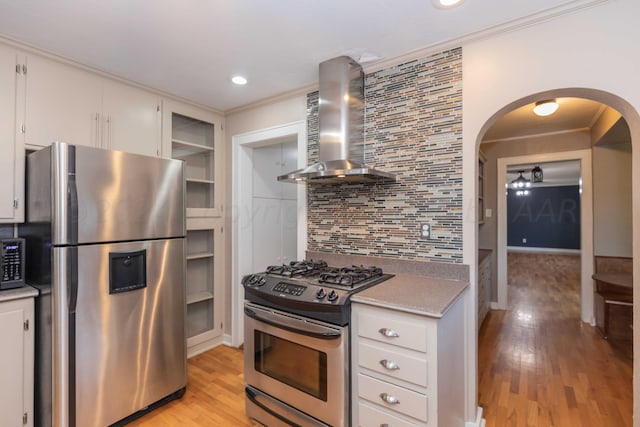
302 91
536 135
489 32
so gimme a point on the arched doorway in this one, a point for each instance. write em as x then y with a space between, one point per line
628 114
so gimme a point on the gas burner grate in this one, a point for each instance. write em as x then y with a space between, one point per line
349 276
297 268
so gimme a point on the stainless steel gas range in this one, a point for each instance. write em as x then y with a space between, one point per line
297 342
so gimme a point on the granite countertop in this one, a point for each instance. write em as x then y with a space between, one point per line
426 296
427 288
18 293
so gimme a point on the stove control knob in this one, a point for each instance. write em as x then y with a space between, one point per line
253 279
321 294
332 296
262 281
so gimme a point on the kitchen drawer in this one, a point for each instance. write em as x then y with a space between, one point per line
408 402
374 322
369 416
409 367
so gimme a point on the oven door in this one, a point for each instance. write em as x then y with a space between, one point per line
301 363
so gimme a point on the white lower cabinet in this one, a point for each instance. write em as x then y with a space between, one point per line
16 361
407 368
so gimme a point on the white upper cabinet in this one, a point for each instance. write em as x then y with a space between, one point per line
69 104
12 158
63 103
131 119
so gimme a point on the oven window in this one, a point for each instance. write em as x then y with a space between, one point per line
298 366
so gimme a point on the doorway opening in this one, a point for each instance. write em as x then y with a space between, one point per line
532 152
256 207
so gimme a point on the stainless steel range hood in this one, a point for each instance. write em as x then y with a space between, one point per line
341 123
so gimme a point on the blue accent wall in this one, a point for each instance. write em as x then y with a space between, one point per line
549 217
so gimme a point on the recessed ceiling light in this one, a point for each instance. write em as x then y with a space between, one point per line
239 80
446 4
546 107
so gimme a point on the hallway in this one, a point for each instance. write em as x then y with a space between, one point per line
539 364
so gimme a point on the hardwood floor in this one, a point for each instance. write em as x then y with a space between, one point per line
540 365
214 396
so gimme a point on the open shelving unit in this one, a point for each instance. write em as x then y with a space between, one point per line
194 136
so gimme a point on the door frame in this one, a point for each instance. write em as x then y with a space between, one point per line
242 192
586 225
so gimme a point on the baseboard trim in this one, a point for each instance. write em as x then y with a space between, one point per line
203 346
532 250
479 421
227 340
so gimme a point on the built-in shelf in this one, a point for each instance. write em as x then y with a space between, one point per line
199 297
193 136
200 255
184 148
200 181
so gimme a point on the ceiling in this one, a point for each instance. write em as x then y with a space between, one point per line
566 172
572 114
191 48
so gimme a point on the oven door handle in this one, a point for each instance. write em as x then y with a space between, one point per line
294 325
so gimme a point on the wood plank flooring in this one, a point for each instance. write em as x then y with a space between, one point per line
540 365
214 396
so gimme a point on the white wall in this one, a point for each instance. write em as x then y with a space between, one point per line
612 201
268 115
593 49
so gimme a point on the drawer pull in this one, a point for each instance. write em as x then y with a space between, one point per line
387 364
384 425
392 400
389 333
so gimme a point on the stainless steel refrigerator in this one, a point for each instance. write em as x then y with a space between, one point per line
105 247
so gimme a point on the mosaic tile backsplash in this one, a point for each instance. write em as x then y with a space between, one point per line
413 128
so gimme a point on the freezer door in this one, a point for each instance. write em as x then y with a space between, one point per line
127 328
90 195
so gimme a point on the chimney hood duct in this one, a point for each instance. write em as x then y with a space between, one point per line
341 125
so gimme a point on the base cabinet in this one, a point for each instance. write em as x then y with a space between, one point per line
16 361
406 368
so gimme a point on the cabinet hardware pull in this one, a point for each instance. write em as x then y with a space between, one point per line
392 400
384 425
389 333
97 119
387 364
109 131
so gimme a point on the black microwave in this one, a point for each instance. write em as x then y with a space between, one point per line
12 263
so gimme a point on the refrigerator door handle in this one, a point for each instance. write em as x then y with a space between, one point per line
72 282
72 198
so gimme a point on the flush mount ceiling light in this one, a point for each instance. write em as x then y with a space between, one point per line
239 80
546 107
446 4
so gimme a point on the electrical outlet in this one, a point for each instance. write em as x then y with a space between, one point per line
524 240
425 231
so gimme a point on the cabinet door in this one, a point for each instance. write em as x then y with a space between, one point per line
12 158
63 103
131 119
16 362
